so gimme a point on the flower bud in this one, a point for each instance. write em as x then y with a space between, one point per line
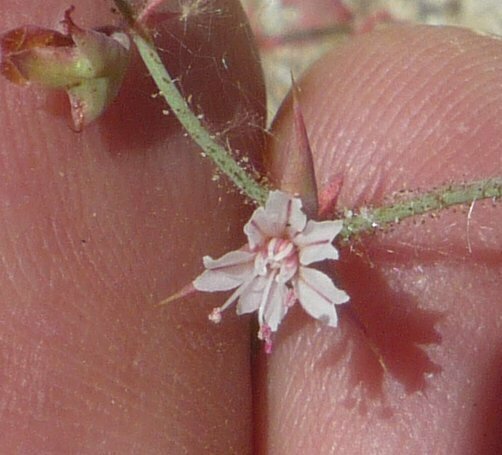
88 64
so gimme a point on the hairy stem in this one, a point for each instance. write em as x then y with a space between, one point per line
368 220
220 156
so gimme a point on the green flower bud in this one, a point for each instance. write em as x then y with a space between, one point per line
88 64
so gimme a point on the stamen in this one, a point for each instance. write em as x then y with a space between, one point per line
236 294
284 252
271 247
265 334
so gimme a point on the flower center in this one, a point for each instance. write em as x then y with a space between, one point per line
280 257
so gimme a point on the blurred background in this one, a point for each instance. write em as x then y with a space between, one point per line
292 34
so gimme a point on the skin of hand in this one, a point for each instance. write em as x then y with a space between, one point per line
98 227
101 225
407 107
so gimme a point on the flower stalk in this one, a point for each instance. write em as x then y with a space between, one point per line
367 219
167 87
272 272
439 199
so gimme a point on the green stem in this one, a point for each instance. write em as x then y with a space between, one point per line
220 156
368 220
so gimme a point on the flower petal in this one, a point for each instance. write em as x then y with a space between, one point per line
227 272
257 229
269 221
228 260
315 242
281 214
284 212
297 219
275 307
251 298
318 295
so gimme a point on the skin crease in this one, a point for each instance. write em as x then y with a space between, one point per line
405 107
100 226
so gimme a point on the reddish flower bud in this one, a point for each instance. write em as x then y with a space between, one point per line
88 64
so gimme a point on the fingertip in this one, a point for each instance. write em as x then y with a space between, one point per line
403 107
98 227
407 107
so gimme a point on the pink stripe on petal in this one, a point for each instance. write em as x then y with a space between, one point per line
315 242
297 219
229 259
257 229
319 231
211 281
317 252
282 210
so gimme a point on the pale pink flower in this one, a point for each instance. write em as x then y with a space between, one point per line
270 273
